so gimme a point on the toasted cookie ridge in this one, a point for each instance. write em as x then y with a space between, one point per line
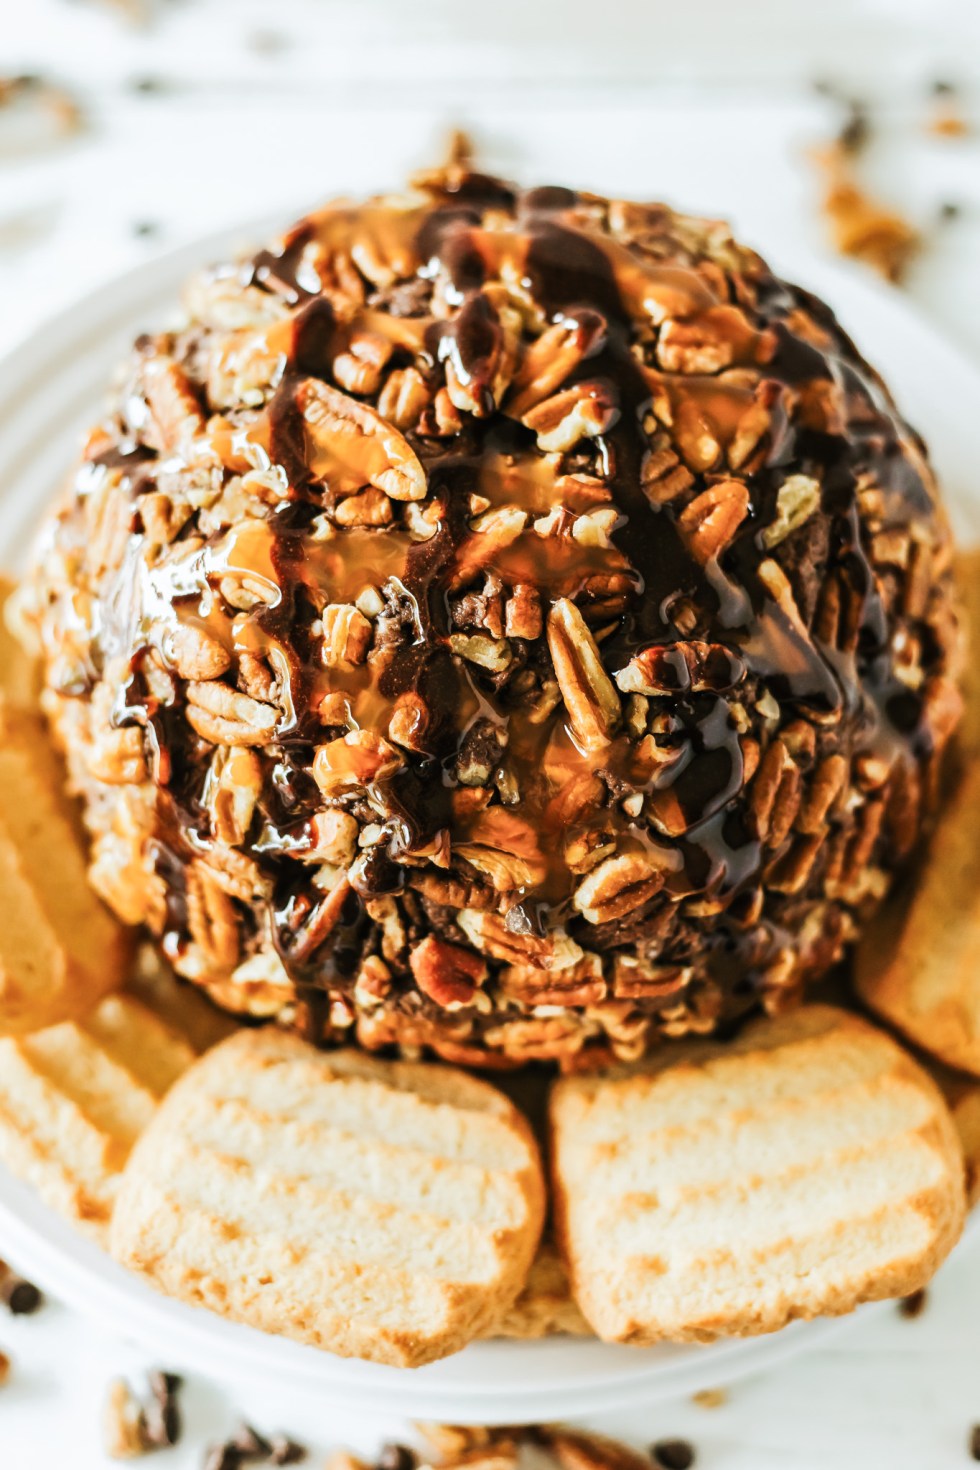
806 1167
75 1097
384 1210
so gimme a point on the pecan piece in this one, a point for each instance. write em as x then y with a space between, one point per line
709 522
446 973
354 446
192 653
796 500
346 635
548 361
617 887
680 668
231 790
224 717
353 760
581 412
593 706
212 920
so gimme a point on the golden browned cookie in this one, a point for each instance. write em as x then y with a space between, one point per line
806 1167
967 569
544 1306
384 1210
918 964
75 1097
60 949
20 673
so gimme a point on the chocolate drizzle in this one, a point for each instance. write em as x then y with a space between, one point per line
685 362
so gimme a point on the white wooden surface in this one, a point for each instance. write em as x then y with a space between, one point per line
266 106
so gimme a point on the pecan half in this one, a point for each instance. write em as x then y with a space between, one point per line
617 887
224 717
593 706
709 522
352 444
446 973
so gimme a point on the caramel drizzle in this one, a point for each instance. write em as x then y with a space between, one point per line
573 273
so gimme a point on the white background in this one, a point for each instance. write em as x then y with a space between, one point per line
265 107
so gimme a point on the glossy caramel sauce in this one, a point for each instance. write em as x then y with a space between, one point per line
566 270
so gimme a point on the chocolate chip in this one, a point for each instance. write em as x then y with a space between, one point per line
222 1457
250 1444
673 1454
145 228
397 1457
283 1451
914 1305
857 128
975 1442
20 1297
949 209
162 1421
943 87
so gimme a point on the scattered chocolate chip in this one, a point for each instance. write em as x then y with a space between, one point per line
673 1454
857 128
145 228
975 1442
949 209
250 1444
914 1305
161 1416
943 87
222 1457
20 1297
283 1451
397 1457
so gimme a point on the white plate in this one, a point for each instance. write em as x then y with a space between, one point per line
50 389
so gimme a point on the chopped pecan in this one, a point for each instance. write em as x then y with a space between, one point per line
593 706
522 615
212 920
548 361
796 500
231 790
404 398
618 886
679 668
192 652
492 654
709 522
370 507
359 368
354 443
346 635
446 973
355 759
581 412
175 414
224 717
776 794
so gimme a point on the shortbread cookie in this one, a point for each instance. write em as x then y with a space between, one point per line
75 1097
544 1306
20 673
967 569
918 964
962 1094
384 1210
60 950
806 1167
